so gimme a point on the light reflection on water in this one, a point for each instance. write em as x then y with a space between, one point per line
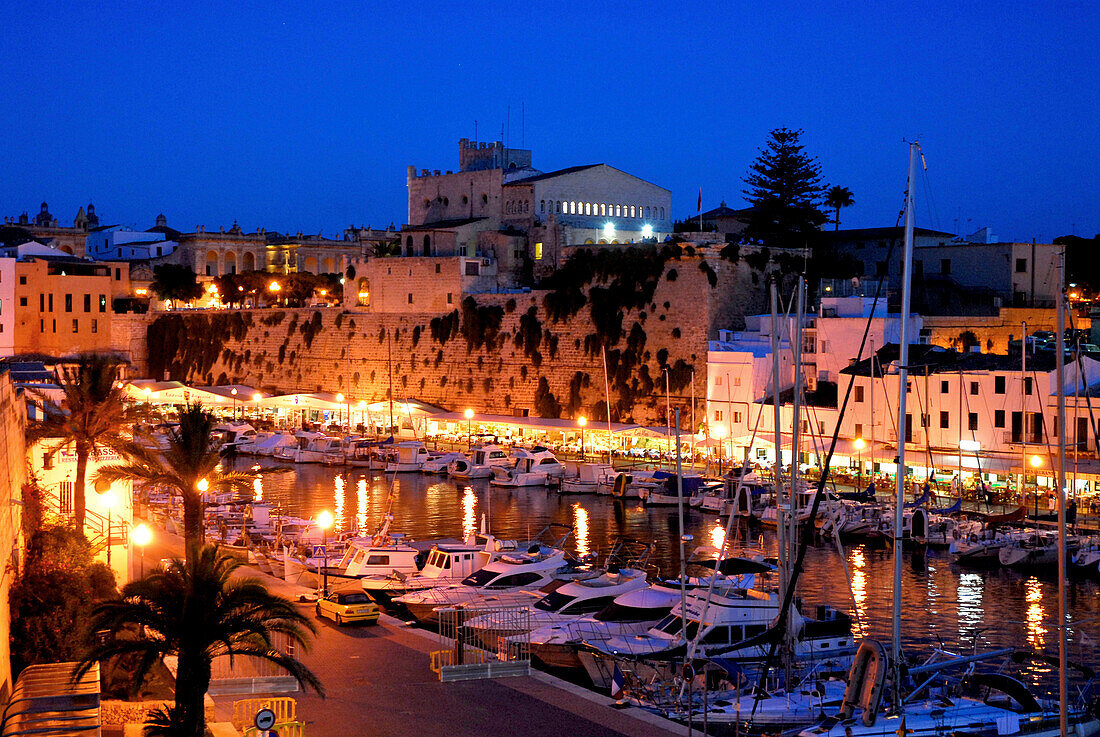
717 535
580 528
941 602
361 506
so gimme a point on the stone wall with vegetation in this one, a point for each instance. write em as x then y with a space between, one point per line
652 309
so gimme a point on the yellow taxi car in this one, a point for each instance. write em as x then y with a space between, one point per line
348 606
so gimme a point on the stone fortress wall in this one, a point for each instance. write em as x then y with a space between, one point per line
495 353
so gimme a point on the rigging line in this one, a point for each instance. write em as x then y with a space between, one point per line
933 212
834 516
1083 380
973 435
729 525
807 530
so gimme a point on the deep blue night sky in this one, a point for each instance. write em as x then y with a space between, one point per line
294 118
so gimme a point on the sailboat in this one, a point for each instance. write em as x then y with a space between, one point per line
990 704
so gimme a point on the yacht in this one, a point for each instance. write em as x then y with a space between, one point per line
559 603
289 452
1037 550
446 563
408 456
371 454
588 478
268 446
666 493
234 435
480 463
630 614
535 467
362 557
500 583
438 462
317 449
337 455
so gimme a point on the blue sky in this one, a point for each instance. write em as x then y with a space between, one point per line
301 116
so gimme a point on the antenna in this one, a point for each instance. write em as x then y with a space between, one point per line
475 129
509 118
523 125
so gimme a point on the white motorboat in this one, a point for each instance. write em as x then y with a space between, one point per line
371 454
318 448
480 464
500 583
588 479
770 712
233 435
572 600
535 467
252 446
1086 561
409 456
633 484
270 445
337 455
447 563
289 451
438 462
360 558
666 493
630 614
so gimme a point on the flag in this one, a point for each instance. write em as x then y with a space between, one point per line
617 683
700 199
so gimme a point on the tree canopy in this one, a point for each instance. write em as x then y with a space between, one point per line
785 190
176 282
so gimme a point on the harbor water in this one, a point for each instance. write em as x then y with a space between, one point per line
943 604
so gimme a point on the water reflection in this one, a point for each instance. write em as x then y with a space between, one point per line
1033 595
469 513
857 562
341 523
258 489
361 506
969 594
717 536
580 528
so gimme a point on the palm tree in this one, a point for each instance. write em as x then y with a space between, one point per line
197 610
191 458
91 414
837 197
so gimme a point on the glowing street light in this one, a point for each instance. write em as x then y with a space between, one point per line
233 391
141 536
202 485
582 421
859 443
647 231
469 428
1036 461
324 521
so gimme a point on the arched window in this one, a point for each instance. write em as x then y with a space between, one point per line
662 213
427 245
587 208
542 206
409 246
632 211
212 263
617 213
588 242
603 208
572 207
364 292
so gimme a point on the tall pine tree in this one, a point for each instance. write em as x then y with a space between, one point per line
785 190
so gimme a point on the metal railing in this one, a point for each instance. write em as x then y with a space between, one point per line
482 643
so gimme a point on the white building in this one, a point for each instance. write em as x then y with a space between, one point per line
121 243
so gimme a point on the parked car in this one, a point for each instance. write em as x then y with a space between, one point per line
346 607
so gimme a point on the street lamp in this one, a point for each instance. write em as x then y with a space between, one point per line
233 391
141 536
109 501
469 428
324 521
339 400
147 391
859 456
1036 462
582 422
202 485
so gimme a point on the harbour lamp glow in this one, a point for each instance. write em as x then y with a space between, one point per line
860 443
141 536
202 485
146 391
582 421
274 286
1036 461
339 397
257 397
469 428
324 520
647 231
608 228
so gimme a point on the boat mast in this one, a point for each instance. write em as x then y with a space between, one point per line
778 465
1023 416
684 538
607 402
903 379
389 366
796 417
1059 371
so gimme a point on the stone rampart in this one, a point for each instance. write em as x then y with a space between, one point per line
539 352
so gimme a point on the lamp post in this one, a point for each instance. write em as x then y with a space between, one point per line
141 536
1036 462
147 391
108 502
324 521
859 455
719 432
274 288
233 391
256 398
469 429
339 400
582 422
202 485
